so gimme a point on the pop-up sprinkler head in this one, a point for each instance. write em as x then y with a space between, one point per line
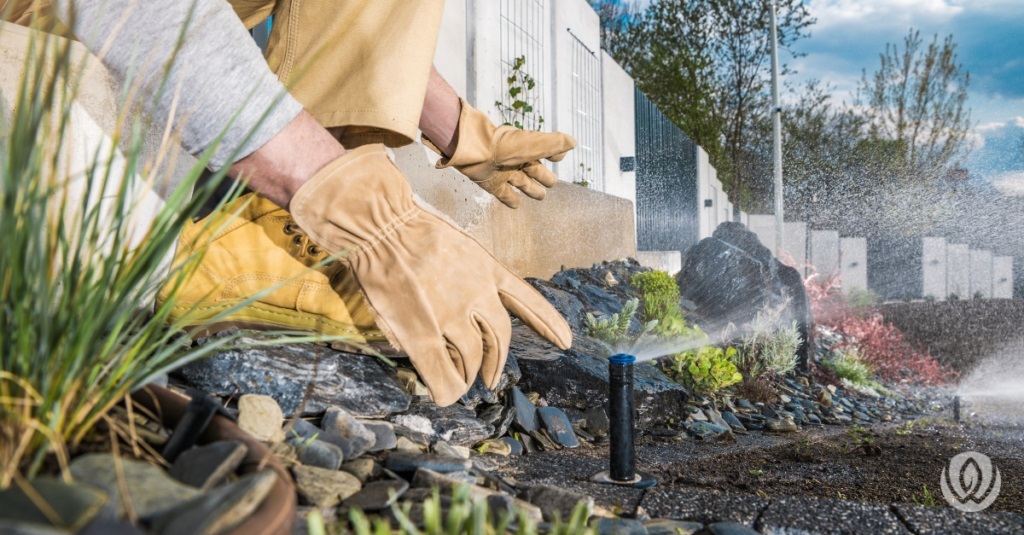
620 416
956 409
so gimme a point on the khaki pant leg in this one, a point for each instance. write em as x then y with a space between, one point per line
357 63
36 14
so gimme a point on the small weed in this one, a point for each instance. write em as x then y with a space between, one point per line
927 498
756 473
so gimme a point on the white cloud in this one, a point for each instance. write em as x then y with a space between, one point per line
1010 183
832 13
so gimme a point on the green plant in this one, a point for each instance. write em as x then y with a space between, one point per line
860 298
77 333
847 364
465 516
953 297
927 498
768 351
660 296
706 370
978 295
613 331
518 111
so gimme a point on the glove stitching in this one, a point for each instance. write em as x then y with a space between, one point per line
384 233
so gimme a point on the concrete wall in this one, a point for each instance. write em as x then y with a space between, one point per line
705 214
794 243
981 273
824 252
574 226
619 128
853 264
958 271
1002 277
933 259
764 226
670 262
452 55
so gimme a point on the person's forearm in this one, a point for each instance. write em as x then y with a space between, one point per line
440 118
217 81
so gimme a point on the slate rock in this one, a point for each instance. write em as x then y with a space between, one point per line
707 430
556 503
500 417
526 411
76 504
384 435
300 428
347 432
578 378
479 393
567 304
733 422
377 495
618 526
515 447
451 450
725 283
11 527
261 417
205 467
597 301
365 469
597 421
558 426
318 453
322 487
454 423
666 526
219 510
730 528
361 384
151 490
408 463
781 425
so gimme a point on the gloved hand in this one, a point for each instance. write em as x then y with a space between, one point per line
434 291
498 158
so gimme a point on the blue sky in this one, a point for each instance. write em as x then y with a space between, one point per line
850 34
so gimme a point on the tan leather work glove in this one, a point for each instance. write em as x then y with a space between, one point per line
434 291
500 158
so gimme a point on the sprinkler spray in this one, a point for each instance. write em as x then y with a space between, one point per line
620 415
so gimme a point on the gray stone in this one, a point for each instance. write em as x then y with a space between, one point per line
526 412
804 514
733 422
76 504
515 447
377 495
345 431
706 430
11 527
219 510
577 377
665 526
318 453
324 488
597 421
454 423
558 426
706 507
407 463
556 503
261 417
361 384
479 393
444 448
618 526
150 489
494 447
781 425
730 528
500 417
205 467
365 469
384 435
300 428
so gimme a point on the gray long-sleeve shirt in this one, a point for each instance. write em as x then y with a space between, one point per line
217 83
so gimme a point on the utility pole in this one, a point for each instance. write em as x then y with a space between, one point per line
777 131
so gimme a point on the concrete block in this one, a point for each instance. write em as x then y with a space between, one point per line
853 261
794 244
933 269
667 261
764 226
1002 277
573 227
981 273
451 55
958 271
619 128
824 251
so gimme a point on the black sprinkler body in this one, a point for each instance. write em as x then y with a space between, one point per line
620 415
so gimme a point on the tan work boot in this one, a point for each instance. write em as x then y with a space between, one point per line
258 248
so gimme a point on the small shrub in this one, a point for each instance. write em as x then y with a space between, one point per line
860 298
705 370
660 296
767 351
846 364
757 390
613 331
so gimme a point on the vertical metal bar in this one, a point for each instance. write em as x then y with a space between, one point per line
777 131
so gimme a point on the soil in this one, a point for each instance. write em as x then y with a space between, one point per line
884 464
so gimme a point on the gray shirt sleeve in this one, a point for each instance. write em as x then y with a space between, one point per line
218 83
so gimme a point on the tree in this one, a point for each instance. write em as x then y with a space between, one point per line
705 64
918 98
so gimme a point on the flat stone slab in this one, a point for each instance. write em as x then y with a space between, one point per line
361 384
801 514
706 507
939 520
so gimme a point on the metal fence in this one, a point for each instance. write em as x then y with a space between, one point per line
667 206
587 163
522 36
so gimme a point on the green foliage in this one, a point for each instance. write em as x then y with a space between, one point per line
465 516
613 331
518 107
706 370
927 498
660 296
862 299
847 364
767 351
